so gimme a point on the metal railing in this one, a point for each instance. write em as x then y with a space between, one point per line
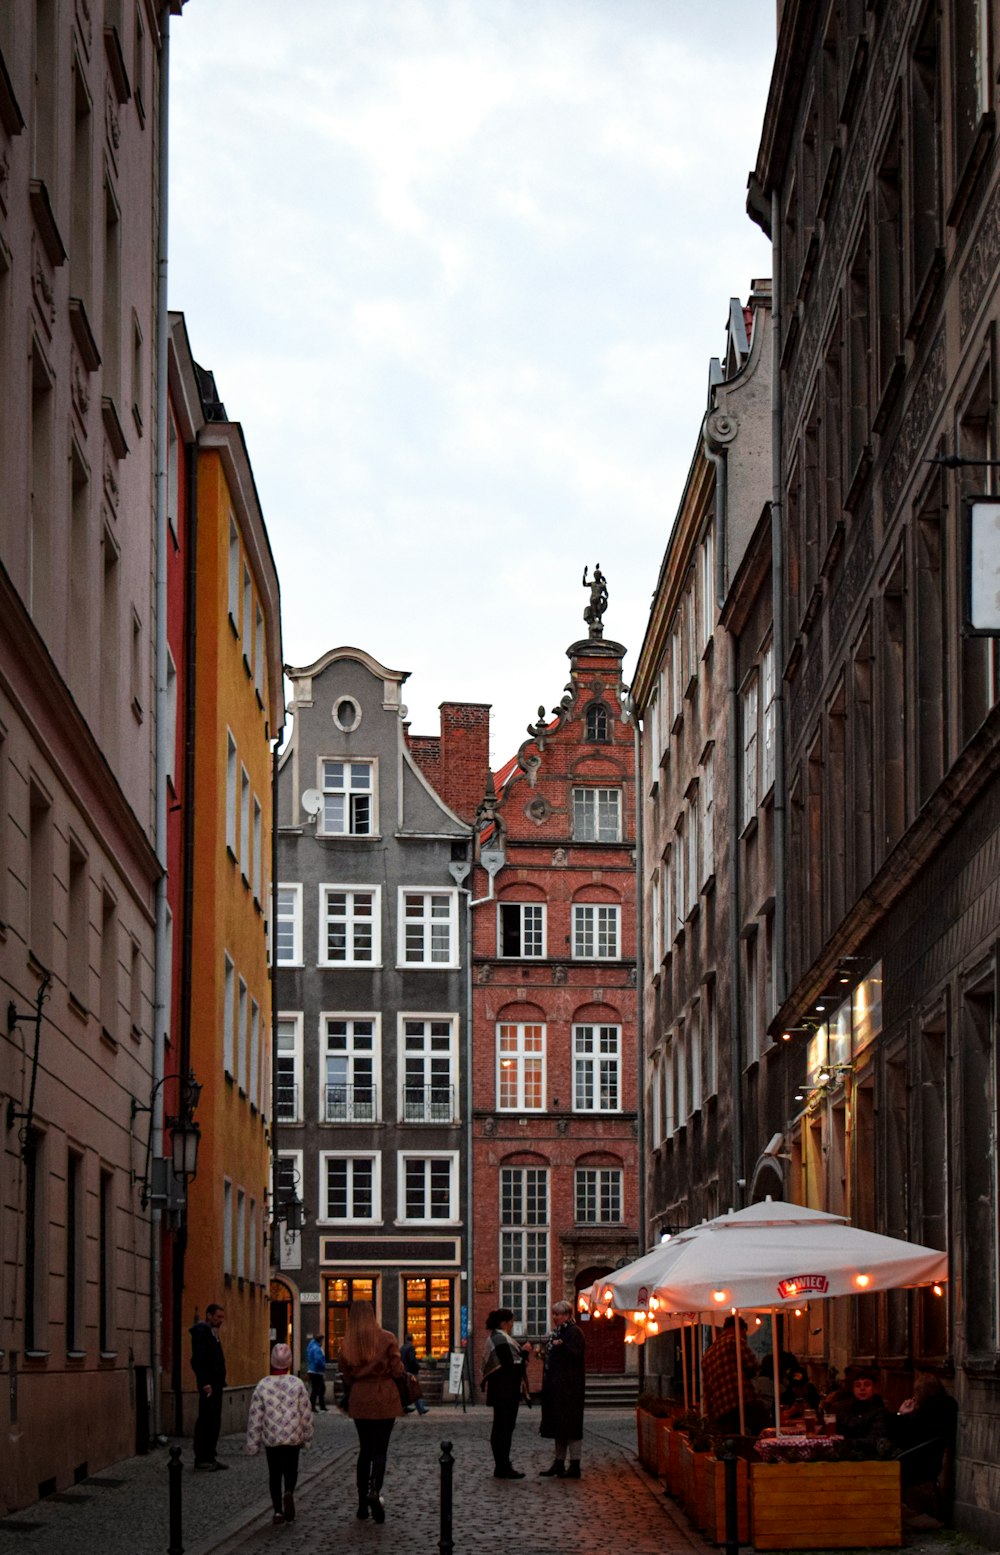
351 1104
429 1104
286 1101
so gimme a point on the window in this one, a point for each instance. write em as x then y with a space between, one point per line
750 773
39 875
111 653
350 1187
135 667
706 796
241 1234
655 924
231 765
521 1068
228 1015
521 929
247 617
73 1284
709 1040
234 575
429 1090
109 965
348 798
667 884
254 1089
257 857
751 998
769 720
349 926
427 1187
288 1101
596 1068
170 736
693 862
111 339
524 1246
245 824
227 1227
427 1314
595 932
598 1195
288 939
706 568
597 722
597 815
428 928
78 937
350 1058
34 1241
253 1241
138 386
106 1282
258 655
173 475
242 1033
971 55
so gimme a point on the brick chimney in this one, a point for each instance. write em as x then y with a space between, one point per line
456 762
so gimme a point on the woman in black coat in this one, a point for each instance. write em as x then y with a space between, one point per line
504 1382
563 1385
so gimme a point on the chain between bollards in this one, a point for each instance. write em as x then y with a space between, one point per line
445 1544
729 1467
175 1477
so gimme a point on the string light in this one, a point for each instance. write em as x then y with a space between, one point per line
862 1281
938 1291
719 1296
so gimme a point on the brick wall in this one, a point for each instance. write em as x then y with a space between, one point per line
456 761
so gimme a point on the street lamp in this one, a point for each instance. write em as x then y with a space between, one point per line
159 1187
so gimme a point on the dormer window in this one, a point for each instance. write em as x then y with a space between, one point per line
597 722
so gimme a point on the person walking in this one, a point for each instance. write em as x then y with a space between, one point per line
408 1356
280 1418
504 1381
371 1367
563 1383
316 1368
208 1362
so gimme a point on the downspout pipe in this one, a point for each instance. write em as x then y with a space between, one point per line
161 952
737 1126
778 619
640 991
469 1139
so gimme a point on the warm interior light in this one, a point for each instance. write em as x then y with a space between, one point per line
798 1311
654 1303
937 1290
786 1036
719 1295
862 1281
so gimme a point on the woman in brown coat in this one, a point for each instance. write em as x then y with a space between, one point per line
370 1365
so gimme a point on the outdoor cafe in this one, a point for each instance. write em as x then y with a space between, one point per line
811 1471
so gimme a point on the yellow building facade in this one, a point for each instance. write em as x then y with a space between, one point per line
239 712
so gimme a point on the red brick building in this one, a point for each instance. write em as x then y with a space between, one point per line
554 1011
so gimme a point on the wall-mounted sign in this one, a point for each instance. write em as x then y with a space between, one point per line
868 1009
839 1043
983 564
310 1297
816 1055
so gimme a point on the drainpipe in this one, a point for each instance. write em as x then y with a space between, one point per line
718 459
161 960
777 615
273 1233
640 990
469 1201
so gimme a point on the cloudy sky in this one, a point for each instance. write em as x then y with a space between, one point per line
459 267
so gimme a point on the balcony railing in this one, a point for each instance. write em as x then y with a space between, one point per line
429 1104
351 1103
286 1101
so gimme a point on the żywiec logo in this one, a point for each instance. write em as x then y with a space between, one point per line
802 1284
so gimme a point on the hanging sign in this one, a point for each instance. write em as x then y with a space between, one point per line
983 598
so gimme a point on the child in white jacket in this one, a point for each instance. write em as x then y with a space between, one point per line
281 1419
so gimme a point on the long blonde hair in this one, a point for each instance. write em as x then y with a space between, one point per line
361 1334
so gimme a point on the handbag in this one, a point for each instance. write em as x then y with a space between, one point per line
409 1389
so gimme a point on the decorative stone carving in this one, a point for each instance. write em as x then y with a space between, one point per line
562 1127
631 977
489 1126
42 289
559 857
4 176
538 810
84 22
915 424
111 119
483 975
559 975
111 477
980 267
81 389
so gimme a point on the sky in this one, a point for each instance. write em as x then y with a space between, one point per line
459 267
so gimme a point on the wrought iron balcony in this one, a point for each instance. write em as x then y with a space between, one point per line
429 1104
351 1103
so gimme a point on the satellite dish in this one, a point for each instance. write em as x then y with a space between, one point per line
493 860
312 801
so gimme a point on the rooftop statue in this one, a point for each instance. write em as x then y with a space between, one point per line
594 613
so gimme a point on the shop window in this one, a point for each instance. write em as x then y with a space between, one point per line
427 1314
340 1293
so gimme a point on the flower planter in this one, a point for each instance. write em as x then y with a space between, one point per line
663 1431
714 1472
676 1442
645 1425
841 1506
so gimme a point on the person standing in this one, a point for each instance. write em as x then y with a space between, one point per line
725 1374
316 1368
371 1367
408 1355
208 1362
564 1378
504 1382
280 1418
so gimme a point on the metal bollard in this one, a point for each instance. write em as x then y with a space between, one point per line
445 1544
175 1472
729 1463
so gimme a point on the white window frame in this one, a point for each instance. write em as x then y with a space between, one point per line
593 1063
349 1017
228 1014
232 774
242 1033
451 895
254 1052
297 1018
709 1040
247 623
655 919
241 1234
696 1088
428 1056
295 918
258 654
348 831
706 797
514 1283
692 864
252 1225
587 822
600 1173
768 721
258 833
227 1227
581 931
750 787
706 556
522 908
234 575
352 890
324 1217
667 885
520 1057
405 1156
655 1093
244 823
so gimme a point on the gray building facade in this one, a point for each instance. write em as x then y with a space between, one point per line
372 992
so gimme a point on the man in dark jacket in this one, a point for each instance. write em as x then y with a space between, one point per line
563 1385
408 1356
208 1362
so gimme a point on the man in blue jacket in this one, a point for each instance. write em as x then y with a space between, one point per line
208 1363
316 1367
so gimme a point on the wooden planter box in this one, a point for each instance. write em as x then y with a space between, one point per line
664 1429
714 1474
676 1442
645 1425
817 1506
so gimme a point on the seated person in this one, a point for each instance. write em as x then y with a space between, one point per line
863 1419
923 1431
764 1382
720 1377
798 1396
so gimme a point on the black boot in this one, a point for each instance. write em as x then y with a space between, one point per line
557 1470
573 1472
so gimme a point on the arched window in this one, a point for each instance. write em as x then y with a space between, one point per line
597 722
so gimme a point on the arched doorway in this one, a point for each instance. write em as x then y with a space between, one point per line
282 1314
604 1338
